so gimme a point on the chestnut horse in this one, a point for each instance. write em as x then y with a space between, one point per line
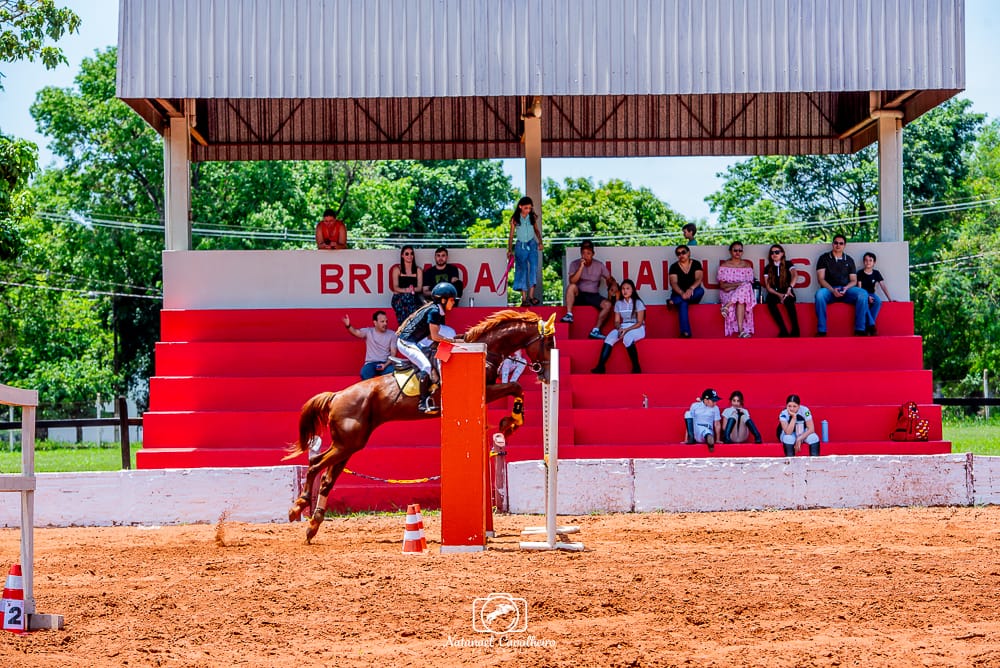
353 413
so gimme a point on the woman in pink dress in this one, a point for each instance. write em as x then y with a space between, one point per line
736 293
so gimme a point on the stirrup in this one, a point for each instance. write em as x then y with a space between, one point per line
427 406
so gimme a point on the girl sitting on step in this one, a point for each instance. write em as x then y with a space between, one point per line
795 427
630 326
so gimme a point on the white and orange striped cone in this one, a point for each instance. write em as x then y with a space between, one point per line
12 604
413 537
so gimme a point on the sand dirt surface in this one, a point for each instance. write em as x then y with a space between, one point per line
896 587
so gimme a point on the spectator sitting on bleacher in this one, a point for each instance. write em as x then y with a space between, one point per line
796 427
405 281
685 285
868 278
380 343
703 421
442 272
780 276
630 327
585 276
736 293
738 423
837 277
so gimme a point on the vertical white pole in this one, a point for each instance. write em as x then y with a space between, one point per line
890 174
10 434
28 508
552 438
986 394
177 184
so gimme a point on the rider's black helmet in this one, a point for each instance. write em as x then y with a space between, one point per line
442 291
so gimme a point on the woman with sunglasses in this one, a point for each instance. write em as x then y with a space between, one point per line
406 280
736 293
779 281
685 285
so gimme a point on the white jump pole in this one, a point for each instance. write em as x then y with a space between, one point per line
25 484
555 536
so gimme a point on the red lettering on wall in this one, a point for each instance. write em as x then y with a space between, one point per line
331 279
645 277
485 278
359 275
804 277
705 280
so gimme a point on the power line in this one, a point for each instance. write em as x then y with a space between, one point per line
78 291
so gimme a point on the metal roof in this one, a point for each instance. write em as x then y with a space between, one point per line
381 79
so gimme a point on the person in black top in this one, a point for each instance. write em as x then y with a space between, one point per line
442 272
868 278
426 322
685 285
405 281
837 276
780 276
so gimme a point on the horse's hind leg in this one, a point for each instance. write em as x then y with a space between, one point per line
325 487
305 497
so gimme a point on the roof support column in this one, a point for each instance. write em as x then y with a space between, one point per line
533 172
177 183
890 174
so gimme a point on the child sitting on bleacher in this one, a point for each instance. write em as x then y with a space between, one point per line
703 421
796 427
738 423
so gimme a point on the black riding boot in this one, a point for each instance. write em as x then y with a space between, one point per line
789 449
605 354
633 354
753 430
689 423
814 449
425 404
727 435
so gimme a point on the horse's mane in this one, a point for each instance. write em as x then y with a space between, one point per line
498 319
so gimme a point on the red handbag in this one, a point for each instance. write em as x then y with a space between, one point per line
909 425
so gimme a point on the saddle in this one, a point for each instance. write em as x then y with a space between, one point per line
405 375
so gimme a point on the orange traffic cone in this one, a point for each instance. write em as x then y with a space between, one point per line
413 537
12 604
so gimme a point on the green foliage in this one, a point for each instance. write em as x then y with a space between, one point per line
18 160
27 25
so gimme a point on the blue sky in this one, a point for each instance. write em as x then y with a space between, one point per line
681 182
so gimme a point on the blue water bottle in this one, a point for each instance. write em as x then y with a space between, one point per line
825 426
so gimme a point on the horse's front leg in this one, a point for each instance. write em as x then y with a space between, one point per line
510 423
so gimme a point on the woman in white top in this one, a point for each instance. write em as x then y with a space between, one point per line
630 326
796 427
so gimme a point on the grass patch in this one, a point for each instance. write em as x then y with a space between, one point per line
976 435
57 457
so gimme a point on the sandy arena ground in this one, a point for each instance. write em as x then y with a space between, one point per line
899 587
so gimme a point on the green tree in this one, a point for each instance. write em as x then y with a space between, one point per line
18 159
26 26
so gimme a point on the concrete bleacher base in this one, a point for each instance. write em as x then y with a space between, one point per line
263 494
701 485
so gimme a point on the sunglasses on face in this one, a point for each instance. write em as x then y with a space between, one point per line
776 252
839 243
681 253
737 250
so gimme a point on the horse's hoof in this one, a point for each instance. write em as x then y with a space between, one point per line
294 515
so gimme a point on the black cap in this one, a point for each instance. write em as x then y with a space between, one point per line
710 394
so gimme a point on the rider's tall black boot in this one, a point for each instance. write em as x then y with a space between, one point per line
633 355
789 449
814 449
425 404
605 354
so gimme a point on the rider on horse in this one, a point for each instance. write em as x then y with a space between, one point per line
426 322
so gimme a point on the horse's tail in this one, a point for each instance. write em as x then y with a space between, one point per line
315 414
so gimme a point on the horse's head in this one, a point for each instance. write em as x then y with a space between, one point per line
508 331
